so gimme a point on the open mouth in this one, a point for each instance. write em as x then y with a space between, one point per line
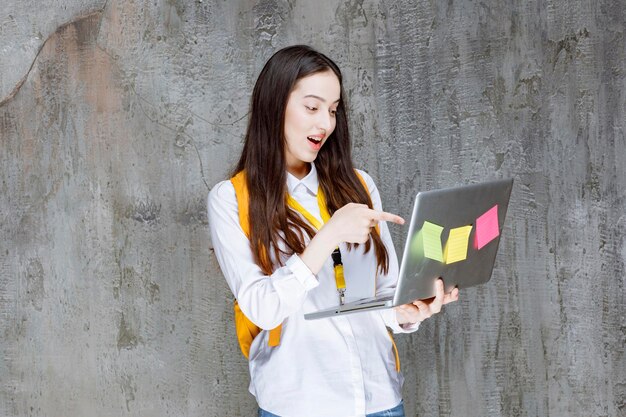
314 140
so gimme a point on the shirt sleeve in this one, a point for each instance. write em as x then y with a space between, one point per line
267 300
386 283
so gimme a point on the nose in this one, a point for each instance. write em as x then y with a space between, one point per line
325 121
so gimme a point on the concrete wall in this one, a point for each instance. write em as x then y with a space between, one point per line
116 117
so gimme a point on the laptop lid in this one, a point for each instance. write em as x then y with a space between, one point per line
454 234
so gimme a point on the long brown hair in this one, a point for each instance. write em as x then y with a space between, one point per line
263 161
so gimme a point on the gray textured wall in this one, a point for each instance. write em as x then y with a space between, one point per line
117 117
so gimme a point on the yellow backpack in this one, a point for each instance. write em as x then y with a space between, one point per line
245 328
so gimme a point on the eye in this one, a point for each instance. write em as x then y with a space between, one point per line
310 108
333 112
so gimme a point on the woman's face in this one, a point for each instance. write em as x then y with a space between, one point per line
310 119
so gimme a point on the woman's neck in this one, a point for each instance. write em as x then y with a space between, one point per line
299 171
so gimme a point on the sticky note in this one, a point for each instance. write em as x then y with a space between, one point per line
487 227
431 235
456 246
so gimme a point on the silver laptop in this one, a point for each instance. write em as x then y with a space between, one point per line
453 234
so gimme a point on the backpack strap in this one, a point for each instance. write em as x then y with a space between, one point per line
246 329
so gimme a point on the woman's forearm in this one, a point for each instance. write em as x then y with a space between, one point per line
318 250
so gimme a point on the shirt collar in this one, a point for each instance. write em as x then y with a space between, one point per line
309 182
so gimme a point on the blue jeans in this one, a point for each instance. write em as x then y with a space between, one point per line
397 411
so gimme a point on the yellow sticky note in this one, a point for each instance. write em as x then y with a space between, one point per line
431 234
456 246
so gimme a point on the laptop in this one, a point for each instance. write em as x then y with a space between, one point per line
454 234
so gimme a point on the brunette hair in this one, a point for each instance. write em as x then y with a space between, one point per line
263 161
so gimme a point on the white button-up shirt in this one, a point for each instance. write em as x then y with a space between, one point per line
340 366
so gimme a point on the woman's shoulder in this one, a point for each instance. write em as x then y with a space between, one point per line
371 185
222 196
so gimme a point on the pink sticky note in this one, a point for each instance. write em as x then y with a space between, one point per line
487 228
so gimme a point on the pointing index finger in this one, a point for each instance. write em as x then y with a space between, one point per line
387 217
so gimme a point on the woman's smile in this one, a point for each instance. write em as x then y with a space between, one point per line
316 141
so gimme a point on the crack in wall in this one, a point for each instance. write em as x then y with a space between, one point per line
180 131
21 82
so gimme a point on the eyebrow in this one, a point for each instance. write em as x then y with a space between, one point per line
320 98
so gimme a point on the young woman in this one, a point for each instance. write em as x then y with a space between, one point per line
295 198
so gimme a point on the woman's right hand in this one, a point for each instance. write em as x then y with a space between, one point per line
353 223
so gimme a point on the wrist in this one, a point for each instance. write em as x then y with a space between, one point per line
326 238
405 320
318 251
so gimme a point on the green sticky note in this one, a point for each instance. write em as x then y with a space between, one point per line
431 235
456 246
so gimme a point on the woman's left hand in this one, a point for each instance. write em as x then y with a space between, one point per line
420 310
